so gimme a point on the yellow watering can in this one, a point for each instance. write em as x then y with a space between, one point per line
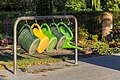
44 40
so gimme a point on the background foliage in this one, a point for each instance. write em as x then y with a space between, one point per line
87 12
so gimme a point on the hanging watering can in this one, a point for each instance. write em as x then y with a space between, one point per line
60 37
52 39
64 29
27 40
44 40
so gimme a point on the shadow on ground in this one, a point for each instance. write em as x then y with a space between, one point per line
108 61
8 57
72 56
2 79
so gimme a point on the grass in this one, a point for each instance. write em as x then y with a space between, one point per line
24 60
35 61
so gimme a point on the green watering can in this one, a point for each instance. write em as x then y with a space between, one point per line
60 37
52 39
64 29
27 40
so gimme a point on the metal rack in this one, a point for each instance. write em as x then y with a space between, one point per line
40 18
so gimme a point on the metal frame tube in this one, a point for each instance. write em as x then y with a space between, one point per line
38 18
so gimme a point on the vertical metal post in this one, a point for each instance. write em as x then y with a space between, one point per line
15 51
15 46
76 51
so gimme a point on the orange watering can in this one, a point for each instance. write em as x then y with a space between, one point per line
44 40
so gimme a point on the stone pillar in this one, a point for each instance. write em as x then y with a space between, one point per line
107 23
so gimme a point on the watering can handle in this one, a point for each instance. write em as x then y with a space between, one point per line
62 23
45 24
26 25
54 24
37 25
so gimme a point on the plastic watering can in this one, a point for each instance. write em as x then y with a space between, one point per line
27 40
44 40
64 29
60 37
52 39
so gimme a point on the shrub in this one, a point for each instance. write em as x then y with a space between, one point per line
95 37
85 43
104 49
83 33
107 51
100 45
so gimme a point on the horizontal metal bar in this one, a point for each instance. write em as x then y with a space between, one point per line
45 17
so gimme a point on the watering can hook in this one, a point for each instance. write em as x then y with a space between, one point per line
26 22
44 20
61 19
54 21
68 20
35 21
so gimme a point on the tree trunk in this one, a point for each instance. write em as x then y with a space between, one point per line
107 23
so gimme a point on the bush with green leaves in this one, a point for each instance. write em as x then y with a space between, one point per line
95 37
83 33
100 45
76 5
107 51
103 48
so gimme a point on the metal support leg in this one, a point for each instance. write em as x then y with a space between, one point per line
76 51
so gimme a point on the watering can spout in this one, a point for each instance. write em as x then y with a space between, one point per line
68 45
